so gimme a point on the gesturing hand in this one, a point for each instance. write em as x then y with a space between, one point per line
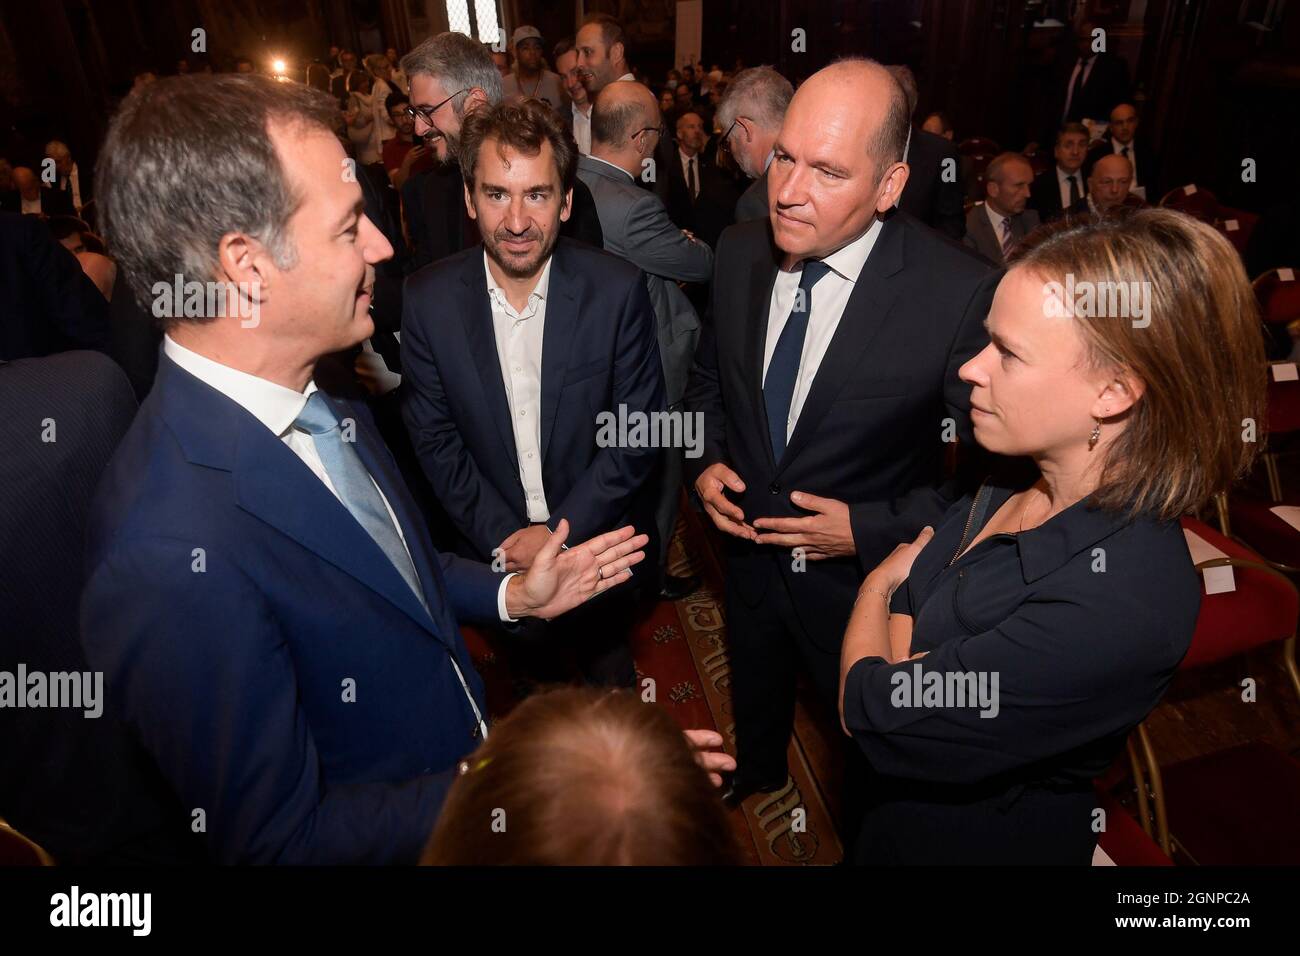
559 580
726 516
520 549
704 746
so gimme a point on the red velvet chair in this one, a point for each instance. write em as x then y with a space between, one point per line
1237 225
1124 840
979 146
1236 806
1199 203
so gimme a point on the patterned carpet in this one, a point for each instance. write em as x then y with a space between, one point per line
682 646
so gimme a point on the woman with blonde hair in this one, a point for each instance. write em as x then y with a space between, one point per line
359 117
994 666
587 777
381 72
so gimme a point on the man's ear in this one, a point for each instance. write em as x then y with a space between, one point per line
1118 395
895 179
619 55
473 100
566 210
469 203
247 264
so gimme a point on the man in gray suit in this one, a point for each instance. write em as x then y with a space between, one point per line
750 116
625 129
995 227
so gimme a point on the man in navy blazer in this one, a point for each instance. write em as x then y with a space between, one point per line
262 597
529 360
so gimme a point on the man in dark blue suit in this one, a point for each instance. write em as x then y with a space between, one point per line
523 359
262 597
47 304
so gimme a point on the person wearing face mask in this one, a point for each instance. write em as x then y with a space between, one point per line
1054 604
829 390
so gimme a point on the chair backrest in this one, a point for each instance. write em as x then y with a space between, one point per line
1261 610
1193 200
979 146
1278 293
1237 225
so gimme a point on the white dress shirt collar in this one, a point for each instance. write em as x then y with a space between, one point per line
612 166
273 405
538 294
996 218
847 261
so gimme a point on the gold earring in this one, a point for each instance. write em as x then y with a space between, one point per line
1095 436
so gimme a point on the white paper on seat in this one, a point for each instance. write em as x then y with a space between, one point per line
1189 190
1101 858
1231 225
1286 275
1217 580
1288 513
1285 372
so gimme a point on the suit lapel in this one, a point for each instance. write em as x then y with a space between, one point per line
756 306
866 311
558 339
476 314
374 455
275 486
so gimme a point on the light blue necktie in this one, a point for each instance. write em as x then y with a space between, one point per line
354 485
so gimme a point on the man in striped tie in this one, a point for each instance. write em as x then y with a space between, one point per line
994 227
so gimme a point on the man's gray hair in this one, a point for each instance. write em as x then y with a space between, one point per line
189 159
457 62
759 93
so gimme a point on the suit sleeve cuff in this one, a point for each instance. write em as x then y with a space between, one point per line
501 599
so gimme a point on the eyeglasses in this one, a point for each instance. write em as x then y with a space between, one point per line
426 112
725 142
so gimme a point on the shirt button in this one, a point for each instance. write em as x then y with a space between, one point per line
774 487
530 454
523 412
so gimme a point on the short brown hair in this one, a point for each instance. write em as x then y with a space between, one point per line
611 31
1200 358
523 127
583 777
1077 128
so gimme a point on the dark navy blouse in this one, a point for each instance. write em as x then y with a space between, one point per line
1045 648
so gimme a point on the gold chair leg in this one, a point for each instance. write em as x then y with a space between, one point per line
1288 661
1221 508
1274 481
1157 790
1140 785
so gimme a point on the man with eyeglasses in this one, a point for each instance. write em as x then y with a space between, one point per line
626 127
751 113
451 76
